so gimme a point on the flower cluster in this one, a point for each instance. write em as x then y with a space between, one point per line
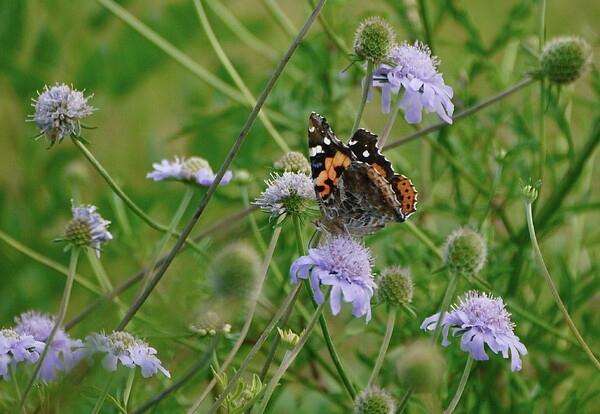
480 320
343 264
87 228
194 170
290 193
61 355
413 68
16 348
123 347
59 111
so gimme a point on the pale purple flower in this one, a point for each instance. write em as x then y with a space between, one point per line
87 228
15 348
123 347
412 68
291 192
58 111
195 170
479 320
343 264
60 356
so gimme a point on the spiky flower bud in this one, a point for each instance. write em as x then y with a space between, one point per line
234 272
374 400
293 161
465 252
565 59
395 286
288 338
529 192
420 366
374 39
209 323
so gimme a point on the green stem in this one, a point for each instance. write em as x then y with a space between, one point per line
236 77
100 401
363 98
426 24
543 101
461 386
390 122
444 307
59 320
555 294
404 401
384 345
481 105
185 202
292 356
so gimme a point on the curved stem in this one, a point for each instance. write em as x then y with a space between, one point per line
390 122
384 345
461 386
59 320
363 98
555 294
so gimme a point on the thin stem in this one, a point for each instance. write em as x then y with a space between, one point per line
363 98
384 345
292 356
59 320
229 159
543 97
555 294
461 386
390 122
236 77
102 397
483 104
404 401
444 306
252 306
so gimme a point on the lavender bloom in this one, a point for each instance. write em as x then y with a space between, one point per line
481 319
58 111
15 348
288 193
346 266
87 228
413 68
123 347
60 356
196 170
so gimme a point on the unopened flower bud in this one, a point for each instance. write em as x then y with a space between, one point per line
374 39
395 286
565 59
374 400
465 252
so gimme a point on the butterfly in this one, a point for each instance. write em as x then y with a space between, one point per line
356 186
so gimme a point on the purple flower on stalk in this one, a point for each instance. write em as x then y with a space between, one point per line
413 68
87 228
195 170
59 110
60 356
15 348
480 320
343 264
123 347
289 193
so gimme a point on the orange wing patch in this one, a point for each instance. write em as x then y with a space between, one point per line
407 194
330 176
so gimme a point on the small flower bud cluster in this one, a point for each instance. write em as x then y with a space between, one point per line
565 59
294 162
374 400
465 252
374 39
395 286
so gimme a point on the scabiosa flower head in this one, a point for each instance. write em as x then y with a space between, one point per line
374 39
129 350
59 110
481 319
87 228
420 366
374 400
60 356
343 264
395 286
194 170
235 271
290 193
465 252
293 161
209 323
414 69
15 348
565 59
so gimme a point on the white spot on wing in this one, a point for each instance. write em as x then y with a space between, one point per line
365 153
311 129
326 141
315 150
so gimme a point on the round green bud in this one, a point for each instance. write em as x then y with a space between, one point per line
420 366
374 400
465 252
209 323
293 161
395 286
374 39
565 59
234 272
